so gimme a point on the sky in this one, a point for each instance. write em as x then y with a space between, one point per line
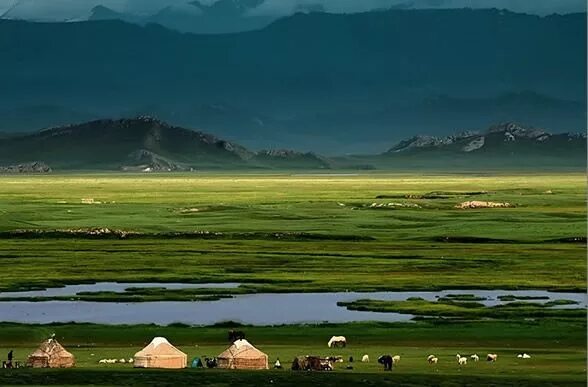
79 9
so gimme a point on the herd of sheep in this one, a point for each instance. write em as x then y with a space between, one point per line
432 359
340 341
114 361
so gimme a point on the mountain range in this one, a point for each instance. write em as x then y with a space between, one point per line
149 145
329 83
226 16
223 16
507 138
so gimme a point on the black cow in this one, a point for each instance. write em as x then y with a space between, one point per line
236 335
210 363
387 361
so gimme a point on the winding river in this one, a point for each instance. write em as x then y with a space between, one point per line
256 309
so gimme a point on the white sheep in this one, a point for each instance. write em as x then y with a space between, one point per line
475 357
461 360
491 357
102 361
130 360
395 359
122 361
433 360
523 356
365 359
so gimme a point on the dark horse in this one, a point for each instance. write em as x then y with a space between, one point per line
386 360
236 335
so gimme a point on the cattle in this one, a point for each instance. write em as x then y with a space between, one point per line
210 363
326 365
337 341
386 361
365 359
236 335
312 363
492 357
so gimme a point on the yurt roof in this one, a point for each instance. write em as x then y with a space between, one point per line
242 349
159 346
51 347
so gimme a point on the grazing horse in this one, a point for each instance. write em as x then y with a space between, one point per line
337 341
235 335
387 361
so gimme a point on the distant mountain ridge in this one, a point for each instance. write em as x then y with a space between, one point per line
505 137
222 16
225 16
141 143
150 145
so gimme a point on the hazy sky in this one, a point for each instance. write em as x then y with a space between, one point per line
73 9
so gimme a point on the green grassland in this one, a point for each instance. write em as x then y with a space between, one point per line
556 347
469 310
296 233
302 233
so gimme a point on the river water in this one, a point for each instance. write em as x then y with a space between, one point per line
256 309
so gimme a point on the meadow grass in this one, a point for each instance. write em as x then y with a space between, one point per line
403 246
468 309
558 355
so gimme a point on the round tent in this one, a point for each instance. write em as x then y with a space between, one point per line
242 355
160 354
51 354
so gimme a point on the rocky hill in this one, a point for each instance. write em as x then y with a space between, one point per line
32 167
509 138
141 144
